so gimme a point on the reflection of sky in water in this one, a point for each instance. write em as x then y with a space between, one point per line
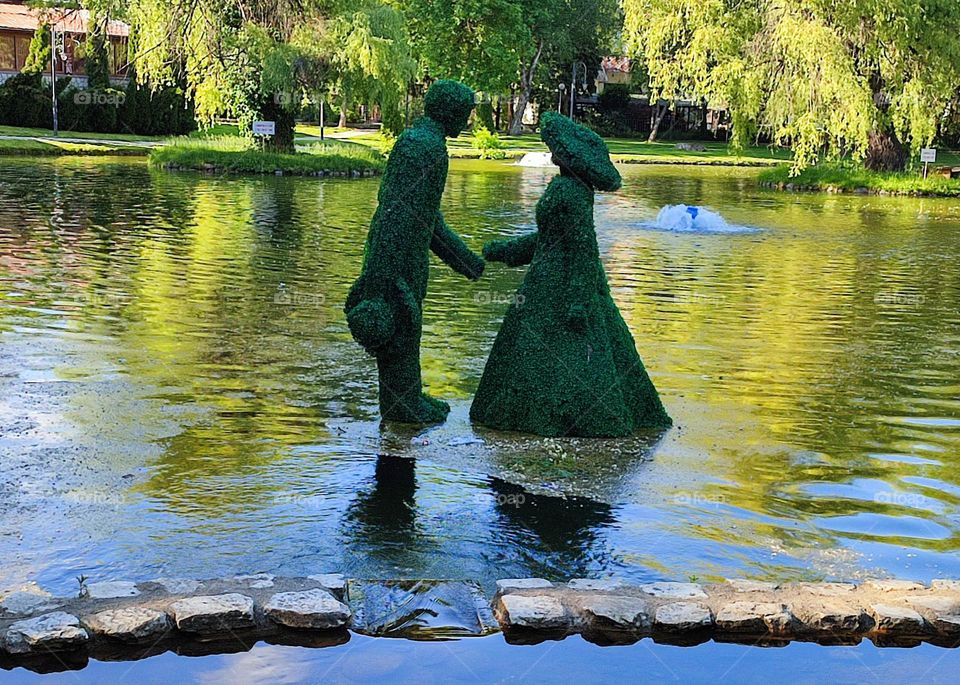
491 659
181 396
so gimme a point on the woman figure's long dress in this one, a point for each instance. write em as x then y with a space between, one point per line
564 362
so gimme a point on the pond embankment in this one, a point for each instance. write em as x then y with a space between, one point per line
121 620
237 155
843 179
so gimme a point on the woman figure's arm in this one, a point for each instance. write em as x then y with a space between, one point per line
515 252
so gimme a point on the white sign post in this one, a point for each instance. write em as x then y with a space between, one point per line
264 128
927 155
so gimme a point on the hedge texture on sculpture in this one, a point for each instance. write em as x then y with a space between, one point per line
384 307
564 362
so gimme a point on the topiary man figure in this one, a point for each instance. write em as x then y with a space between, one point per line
564 362
384 307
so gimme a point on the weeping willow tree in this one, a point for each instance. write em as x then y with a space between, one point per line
865 78
364 54
233 56
257 59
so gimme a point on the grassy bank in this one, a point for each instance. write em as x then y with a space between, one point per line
48 147
623 150
851 179
234 154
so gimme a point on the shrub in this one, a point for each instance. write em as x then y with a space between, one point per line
385 142
610 125
25 101
614 98
489 144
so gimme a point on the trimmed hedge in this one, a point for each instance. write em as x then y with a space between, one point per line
25 101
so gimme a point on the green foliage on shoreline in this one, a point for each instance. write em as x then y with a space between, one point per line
853 179
237 154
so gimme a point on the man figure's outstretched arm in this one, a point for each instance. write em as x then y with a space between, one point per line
451 249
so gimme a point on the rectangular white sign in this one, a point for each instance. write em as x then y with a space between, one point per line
928 154
264 128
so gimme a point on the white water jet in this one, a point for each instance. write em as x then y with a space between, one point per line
689 218
536 159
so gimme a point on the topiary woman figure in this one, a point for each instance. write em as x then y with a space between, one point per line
564 362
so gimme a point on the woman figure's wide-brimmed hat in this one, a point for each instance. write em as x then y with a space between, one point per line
580 150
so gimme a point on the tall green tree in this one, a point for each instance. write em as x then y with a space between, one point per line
869 78
499 45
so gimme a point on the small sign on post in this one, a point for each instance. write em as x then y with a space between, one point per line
927 155
264 128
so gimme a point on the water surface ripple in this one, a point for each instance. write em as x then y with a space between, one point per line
180 395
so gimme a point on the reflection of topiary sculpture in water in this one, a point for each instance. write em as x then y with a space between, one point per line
564 362
384 305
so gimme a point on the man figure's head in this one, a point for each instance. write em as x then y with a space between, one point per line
449 103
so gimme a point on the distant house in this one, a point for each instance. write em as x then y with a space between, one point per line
18 23
613 70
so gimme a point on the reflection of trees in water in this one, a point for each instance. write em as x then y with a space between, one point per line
809 333
253 290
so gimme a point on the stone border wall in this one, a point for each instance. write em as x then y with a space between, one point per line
127 621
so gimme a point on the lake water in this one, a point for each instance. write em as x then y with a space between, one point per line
179 394
365 660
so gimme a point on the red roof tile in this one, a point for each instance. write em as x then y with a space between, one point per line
22 18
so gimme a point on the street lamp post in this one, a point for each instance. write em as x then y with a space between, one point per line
573 83
53 75
562 87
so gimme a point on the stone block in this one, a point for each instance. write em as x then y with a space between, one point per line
830 617
897 619
213 613
112 590
617 612
603 584
27 602
892 586
54 632
316 609
537 612
682 617
334 582
675 590
755 618
510 584
129 624
743 585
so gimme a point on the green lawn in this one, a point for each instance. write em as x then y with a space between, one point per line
59 147
625 150
314 130
47 133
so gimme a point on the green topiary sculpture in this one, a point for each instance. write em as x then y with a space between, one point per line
564 362
384 306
